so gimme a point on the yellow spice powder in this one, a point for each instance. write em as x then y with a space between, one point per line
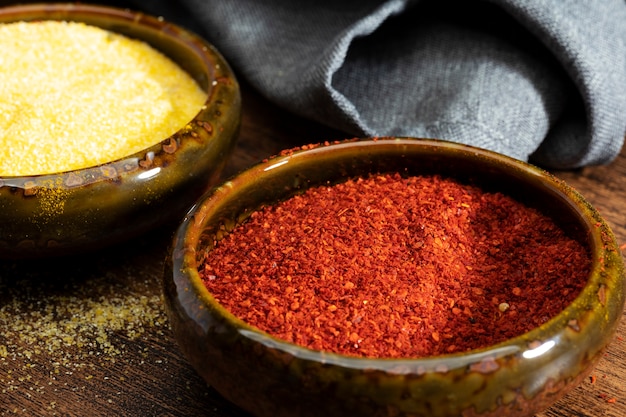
74 96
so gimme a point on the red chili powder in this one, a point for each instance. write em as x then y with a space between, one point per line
396 267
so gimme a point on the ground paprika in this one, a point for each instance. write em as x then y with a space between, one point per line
388 266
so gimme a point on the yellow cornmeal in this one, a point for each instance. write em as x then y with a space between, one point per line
74 96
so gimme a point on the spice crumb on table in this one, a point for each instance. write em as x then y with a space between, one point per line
86 335
59 329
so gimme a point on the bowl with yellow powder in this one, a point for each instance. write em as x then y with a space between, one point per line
112 122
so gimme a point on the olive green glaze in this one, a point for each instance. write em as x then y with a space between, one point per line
89 208
270 377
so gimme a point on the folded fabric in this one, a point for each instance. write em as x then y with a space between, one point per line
537 80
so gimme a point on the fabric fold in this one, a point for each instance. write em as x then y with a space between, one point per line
537 80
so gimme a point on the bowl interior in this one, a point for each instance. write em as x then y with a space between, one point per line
284 176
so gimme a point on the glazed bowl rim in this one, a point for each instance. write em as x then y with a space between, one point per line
600 240
183 36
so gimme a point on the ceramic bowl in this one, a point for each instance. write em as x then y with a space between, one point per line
89 208
271 377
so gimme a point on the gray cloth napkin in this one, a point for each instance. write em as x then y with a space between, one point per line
538 80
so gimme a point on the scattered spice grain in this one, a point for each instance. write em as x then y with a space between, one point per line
387 266
60 326
74 96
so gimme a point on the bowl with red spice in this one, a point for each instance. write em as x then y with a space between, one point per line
395 277
121 141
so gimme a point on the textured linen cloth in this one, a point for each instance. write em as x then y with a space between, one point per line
538 80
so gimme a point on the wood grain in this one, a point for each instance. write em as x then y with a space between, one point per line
136 369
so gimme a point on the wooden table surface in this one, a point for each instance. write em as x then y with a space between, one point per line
87 336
